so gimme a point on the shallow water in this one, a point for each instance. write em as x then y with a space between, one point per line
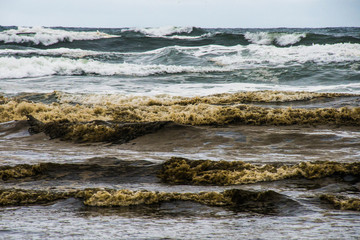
259 144
99 165
174 221
112 109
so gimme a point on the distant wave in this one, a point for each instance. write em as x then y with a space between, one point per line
142 39
282 39
11 67
168 60
239 36
319 53
290 39
273 56
161 31
47 36
172 32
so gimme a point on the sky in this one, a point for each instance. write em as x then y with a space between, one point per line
199 13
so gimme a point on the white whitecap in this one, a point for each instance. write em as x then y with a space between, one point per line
262 38
182 37
162 31
272 56
11 67
141 64
289 39
47 36
268 38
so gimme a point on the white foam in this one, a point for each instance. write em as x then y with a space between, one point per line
266 38
289 39
11 67
240 56
161 31
191 90
188 37
272 56
141 64
262 38
47 36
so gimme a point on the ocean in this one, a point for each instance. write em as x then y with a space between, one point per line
179 133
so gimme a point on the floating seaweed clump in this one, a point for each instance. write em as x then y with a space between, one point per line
206 114
240 200
20 171
341 202
196 111
184 171
94 131
224 98
258 96
127 198
3 99
236 199
17 197
14 110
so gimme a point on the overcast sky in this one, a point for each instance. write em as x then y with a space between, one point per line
200 13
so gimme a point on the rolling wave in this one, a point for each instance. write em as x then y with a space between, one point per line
209 60
282 39
273 56
47 36
150 38
161 31
168 60
11 67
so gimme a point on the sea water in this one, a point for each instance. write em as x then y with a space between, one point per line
285 102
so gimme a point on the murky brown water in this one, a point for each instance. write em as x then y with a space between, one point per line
286 182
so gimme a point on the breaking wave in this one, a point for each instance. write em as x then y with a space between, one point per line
212 58
211 110
342 202
168 100
184 171
47 36
11 67
146 38
282 39
273 56
266 202
161 31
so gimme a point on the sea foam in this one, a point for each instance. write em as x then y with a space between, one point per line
247 55
11 67
47 36
221 58
162 31
282 39
253 55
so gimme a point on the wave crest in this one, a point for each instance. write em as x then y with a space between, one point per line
11 67
162 31
253 55
223 59
184 171
266 38
47 36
